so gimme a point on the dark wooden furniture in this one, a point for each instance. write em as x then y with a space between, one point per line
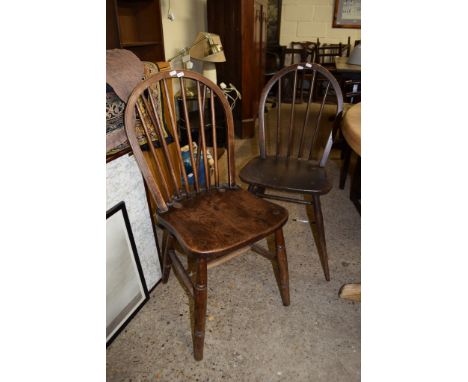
325 54
212 220
295 149
135 25
301 51
241 26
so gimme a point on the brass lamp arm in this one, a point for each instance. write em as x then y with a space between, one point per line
187 49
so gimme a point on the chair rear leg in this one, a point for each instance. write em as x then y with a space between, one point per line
200 296
167 263
320 242
282 266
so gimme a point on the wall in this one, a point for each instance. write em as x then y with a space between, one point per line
190 18
305 20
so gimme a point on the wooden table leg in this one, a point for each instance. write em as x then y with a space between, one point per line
355 191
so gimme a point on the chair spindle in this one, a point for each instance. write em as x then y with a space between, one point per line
189 134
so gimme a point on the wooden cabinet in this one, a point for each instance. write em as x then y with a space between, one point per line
241 25
135 25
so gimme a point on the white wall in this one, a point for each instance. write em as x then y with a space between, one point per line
190 18
305 20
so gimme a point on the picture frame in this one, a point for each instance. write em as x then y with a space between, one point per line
126 289
347 14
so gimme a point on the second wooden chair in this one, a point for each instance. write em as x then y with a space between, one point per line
295 147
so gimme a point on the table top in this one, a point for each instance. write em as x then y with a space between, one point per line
352 128
342 66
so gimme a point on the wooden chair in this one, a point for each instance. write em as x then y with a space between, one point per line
209 218
326 53
295 149
300 51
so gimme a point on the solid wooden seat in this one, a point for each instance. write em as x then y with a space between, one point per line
199 205
283 174
295 149
226 219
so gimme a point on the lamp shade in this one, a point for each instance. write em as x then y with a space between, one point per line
207 47
355 56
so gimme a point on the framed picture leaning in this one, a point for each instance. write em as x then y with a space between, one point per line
126 290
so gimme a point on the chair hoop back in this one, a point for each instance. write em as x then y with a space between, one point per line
171 179
315 74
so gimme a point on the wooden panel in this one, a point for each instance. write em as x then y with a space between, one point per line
112 29
152 52
224 19
242 28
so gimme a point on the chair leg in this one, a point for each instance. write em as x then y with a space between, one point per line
200 297
346 153
320 242
167 263
282 266
355 189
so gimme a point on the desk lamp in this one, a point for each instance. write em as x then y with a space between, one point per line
208 49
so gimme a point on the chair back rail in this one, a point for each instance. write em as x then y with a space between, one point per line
301 125
177 185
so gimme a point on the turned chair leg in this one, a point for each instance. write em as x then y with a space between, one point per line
167 263
320 242
282 266
200 293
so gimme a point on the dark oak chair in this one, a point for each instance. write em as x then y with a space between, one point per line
202 211
295 149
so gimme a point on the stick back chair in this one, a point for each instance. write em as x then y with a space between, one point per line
295 147
204 213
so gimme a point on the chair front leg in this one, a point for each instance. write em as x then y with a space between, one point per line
320 242
200 293
282 266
